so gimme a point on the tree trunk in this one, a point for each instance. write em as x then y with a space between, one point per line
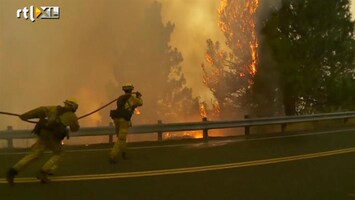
289 102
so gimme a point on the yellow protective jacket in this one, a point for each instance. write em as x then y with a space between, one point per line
125 106
53 119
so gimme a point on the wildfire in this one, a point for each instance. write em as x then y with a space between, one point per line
229 73
237 21
216 107
203 111
183 135
254 55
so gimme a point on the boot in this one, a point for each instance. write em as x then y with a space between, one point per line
112 160
124 155
43 177
10 175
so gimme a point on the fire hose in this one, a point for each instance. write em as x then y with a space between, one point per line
81 117
102 107
14 114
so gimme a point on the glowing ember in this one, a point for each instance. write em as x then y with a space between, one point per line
137 112
183 135
193 134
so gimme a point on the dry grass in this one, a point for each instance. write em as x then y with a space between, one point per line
304 126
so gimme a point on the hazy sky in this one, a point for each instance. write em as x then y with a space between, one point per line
44 62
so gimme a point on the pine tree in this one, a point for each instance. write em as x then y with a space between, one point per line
313 49
228 72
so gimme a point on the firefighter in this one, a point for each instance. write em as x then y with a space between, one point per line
121 117
51 129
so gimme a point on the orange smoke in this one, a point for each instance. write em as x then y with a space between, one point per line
89 106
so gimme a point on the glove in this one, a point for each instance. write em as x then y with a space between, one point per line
138 94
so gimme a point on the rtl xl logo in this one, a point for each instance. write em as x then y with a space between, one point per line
41 12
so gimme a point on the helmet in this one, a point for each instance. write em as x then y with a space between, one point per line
71 102
127 87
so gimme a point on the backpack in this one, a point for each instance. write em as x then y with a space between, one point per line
121 111
58 129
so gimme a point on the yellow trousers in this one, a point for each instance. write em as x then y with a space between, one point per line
42 144
121 126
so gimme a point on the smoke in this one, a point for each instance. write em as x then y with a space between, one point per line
265 9
265 92
195 22
46 61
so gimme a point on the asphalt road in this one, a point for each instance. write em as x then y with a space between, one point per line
311 166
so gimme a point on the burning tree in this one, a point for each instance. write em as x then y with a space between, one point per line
229 74
303 62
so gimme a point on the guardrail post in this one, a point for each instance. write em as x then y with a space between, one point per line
346 120
205 131
160 134
283 127
10 142
247 128
110 137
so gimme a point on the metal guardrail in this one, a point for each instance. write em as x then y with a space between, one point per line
204 125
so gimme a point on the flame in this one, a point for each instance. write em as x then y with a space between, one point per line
193 134
203 111
137 112
254 42
223 6
241 17
209 59
237 20
213 79
216 107
254 54
188 134
183 135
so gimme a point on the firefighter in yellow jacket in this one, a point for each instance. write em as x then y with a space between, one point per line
51 129
126 105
